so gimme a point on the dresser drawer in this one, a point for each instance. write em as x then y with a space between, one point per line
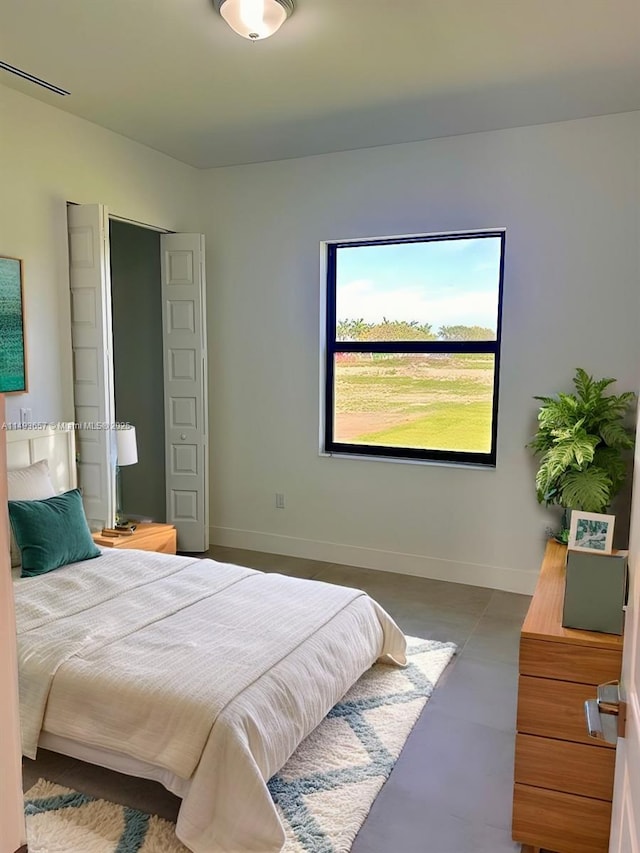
559 765
162 543
555 709
561 822
569 662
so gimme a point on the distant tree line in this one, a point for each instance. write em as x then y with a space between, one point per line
403 330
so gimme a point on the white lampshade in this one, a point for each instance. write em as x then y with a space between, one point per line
126 447
255 19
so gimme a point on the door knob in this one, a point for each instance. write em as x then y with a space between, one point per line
605 715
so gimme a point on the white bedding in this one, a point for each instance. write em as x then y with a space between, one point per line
213 672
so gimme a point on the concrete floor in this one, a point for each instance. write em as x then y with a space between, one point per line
450 791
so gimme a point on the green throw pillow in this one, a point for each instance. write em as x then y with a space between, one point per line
51 533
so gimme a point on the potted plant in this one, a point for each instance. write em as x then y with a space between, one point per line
582 440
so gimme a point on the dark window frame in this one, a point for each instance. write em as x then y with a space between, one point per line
333 347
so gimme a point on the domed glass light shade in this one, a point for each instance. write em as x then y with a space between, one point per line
255 19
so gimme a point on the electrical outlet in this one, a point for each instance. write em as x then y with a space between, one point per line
26 417
279 500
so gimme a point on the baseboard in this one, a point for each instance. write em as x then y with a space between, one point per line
436 568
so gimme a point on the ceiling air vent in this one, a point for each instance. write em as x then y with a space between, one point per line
31 78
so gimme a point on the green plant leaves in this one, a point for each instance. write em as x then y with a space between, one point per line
615 435
581 438
573 452
588 490
610 460
589 390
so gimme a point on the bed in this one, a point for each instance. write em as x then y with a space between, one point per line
201 675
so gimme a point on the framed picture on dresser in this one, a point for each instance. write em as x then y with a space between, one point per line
13 363
591 531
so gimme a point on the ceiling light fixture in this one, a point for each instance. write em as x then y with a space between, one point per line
255 19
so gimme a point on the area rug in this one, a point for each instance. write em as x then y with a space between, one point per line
323 793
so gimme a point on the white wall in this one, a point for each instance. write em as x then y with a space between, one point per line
568 196
48 157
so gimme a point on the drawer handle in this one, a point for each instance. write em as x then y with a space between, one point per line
594 720
605 715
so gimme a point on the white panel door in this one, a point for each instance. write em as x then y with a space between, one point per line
92 343
625 820
185 388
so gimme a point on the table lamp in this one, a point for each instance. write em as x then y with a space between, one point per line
126 454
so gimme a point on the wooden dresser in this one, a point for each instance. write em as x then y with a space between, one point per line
563 778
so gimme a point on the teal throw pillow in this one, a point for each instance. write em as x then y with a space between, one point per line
51 533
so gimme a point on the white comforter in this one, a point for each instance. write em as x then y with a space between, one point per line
211 671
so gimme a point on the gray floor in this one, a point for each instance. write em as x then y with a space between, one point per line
450 791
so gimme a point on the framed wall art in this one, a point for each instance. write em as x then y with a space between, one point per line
13 363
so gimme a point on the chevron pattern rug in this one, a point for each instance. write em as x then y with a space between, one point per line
323 793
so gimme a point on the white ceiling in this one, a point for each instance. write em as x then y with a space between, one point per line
340 74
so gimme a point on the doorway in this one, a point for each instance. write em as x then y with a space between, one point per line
151 370
138 380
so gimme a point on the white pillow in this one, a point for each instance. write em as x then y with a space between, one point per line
28 484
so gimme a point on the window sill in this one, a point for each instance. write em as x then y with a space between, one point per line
399 460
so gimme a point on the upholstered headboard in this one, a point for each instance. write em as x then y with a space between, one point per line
55 444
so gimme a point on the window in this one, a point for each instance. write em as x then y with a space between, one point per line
413 346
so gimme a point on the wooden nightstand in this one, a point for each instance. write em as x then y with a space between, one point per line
563 778
146 537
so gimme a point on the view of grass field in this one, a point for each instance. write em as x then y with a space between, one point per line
416 332
431 401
